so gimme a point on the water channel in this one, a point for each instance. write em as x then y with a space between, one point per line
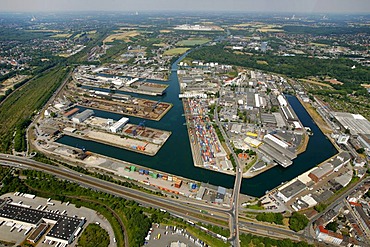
175 156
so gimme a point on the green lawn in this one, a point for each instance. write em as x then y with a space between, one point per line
192 42
175 51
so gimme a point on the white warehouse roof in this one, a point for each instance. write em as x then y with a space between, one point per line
119 124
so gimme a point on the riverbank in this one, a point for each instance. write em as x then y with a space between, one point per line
122 169
320 122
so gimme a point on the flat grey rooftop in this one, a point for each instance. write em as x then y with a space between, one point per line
293 189
356 123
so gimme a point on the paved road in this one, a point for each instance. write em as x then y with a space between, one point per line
186 210
234 227
308 232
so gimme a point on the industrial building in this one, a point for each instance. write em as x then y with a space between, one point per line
341 160
38 232
364 140
291 190
279 145
80 117
344 180
275 155
355 123
63 228
277 149
221 191
268 119
117 126
280 123
289 113
321 172
327 168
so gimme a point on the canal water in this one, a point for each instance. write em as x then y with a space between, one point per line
175 156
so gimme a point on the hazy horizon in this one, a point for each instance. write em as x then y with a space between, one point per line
269 6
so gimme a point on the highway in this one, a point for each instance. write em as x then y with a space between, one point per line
171 205
185 210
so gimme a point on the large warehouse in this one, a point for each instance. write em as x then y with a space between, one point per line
80 117
355 123
288 192
63 228
117 126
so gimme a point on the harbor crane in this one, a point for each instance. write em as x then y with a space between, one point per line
155 105
141 125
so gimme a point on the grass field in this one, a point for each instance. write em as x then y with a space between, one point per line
61 35
270 30
44 31
175 51
121 36
318 44
159 45
262 62
316 83
334 81
192 42
25 102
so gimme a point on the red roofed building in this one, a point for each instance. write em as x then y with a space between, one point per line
328 236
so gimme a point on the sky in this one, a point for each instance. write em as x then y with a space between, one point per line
296 6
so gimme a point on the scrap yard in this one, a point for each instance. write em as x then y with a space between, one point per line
142 108
103 116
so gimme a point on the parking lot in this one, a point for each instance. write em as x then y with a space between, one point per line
161 235
18 235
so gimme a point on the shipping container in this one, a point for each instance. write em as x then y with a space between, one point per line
178 183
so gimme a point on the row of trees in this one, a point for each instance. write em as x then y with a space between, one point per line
276 218
297 221
252 240
136 219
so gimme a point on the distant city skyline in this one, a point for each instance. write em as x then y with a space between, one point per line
291 6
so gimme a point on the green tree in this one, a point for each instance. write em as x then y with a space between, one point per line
94 236
320 207
297 221
332 226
